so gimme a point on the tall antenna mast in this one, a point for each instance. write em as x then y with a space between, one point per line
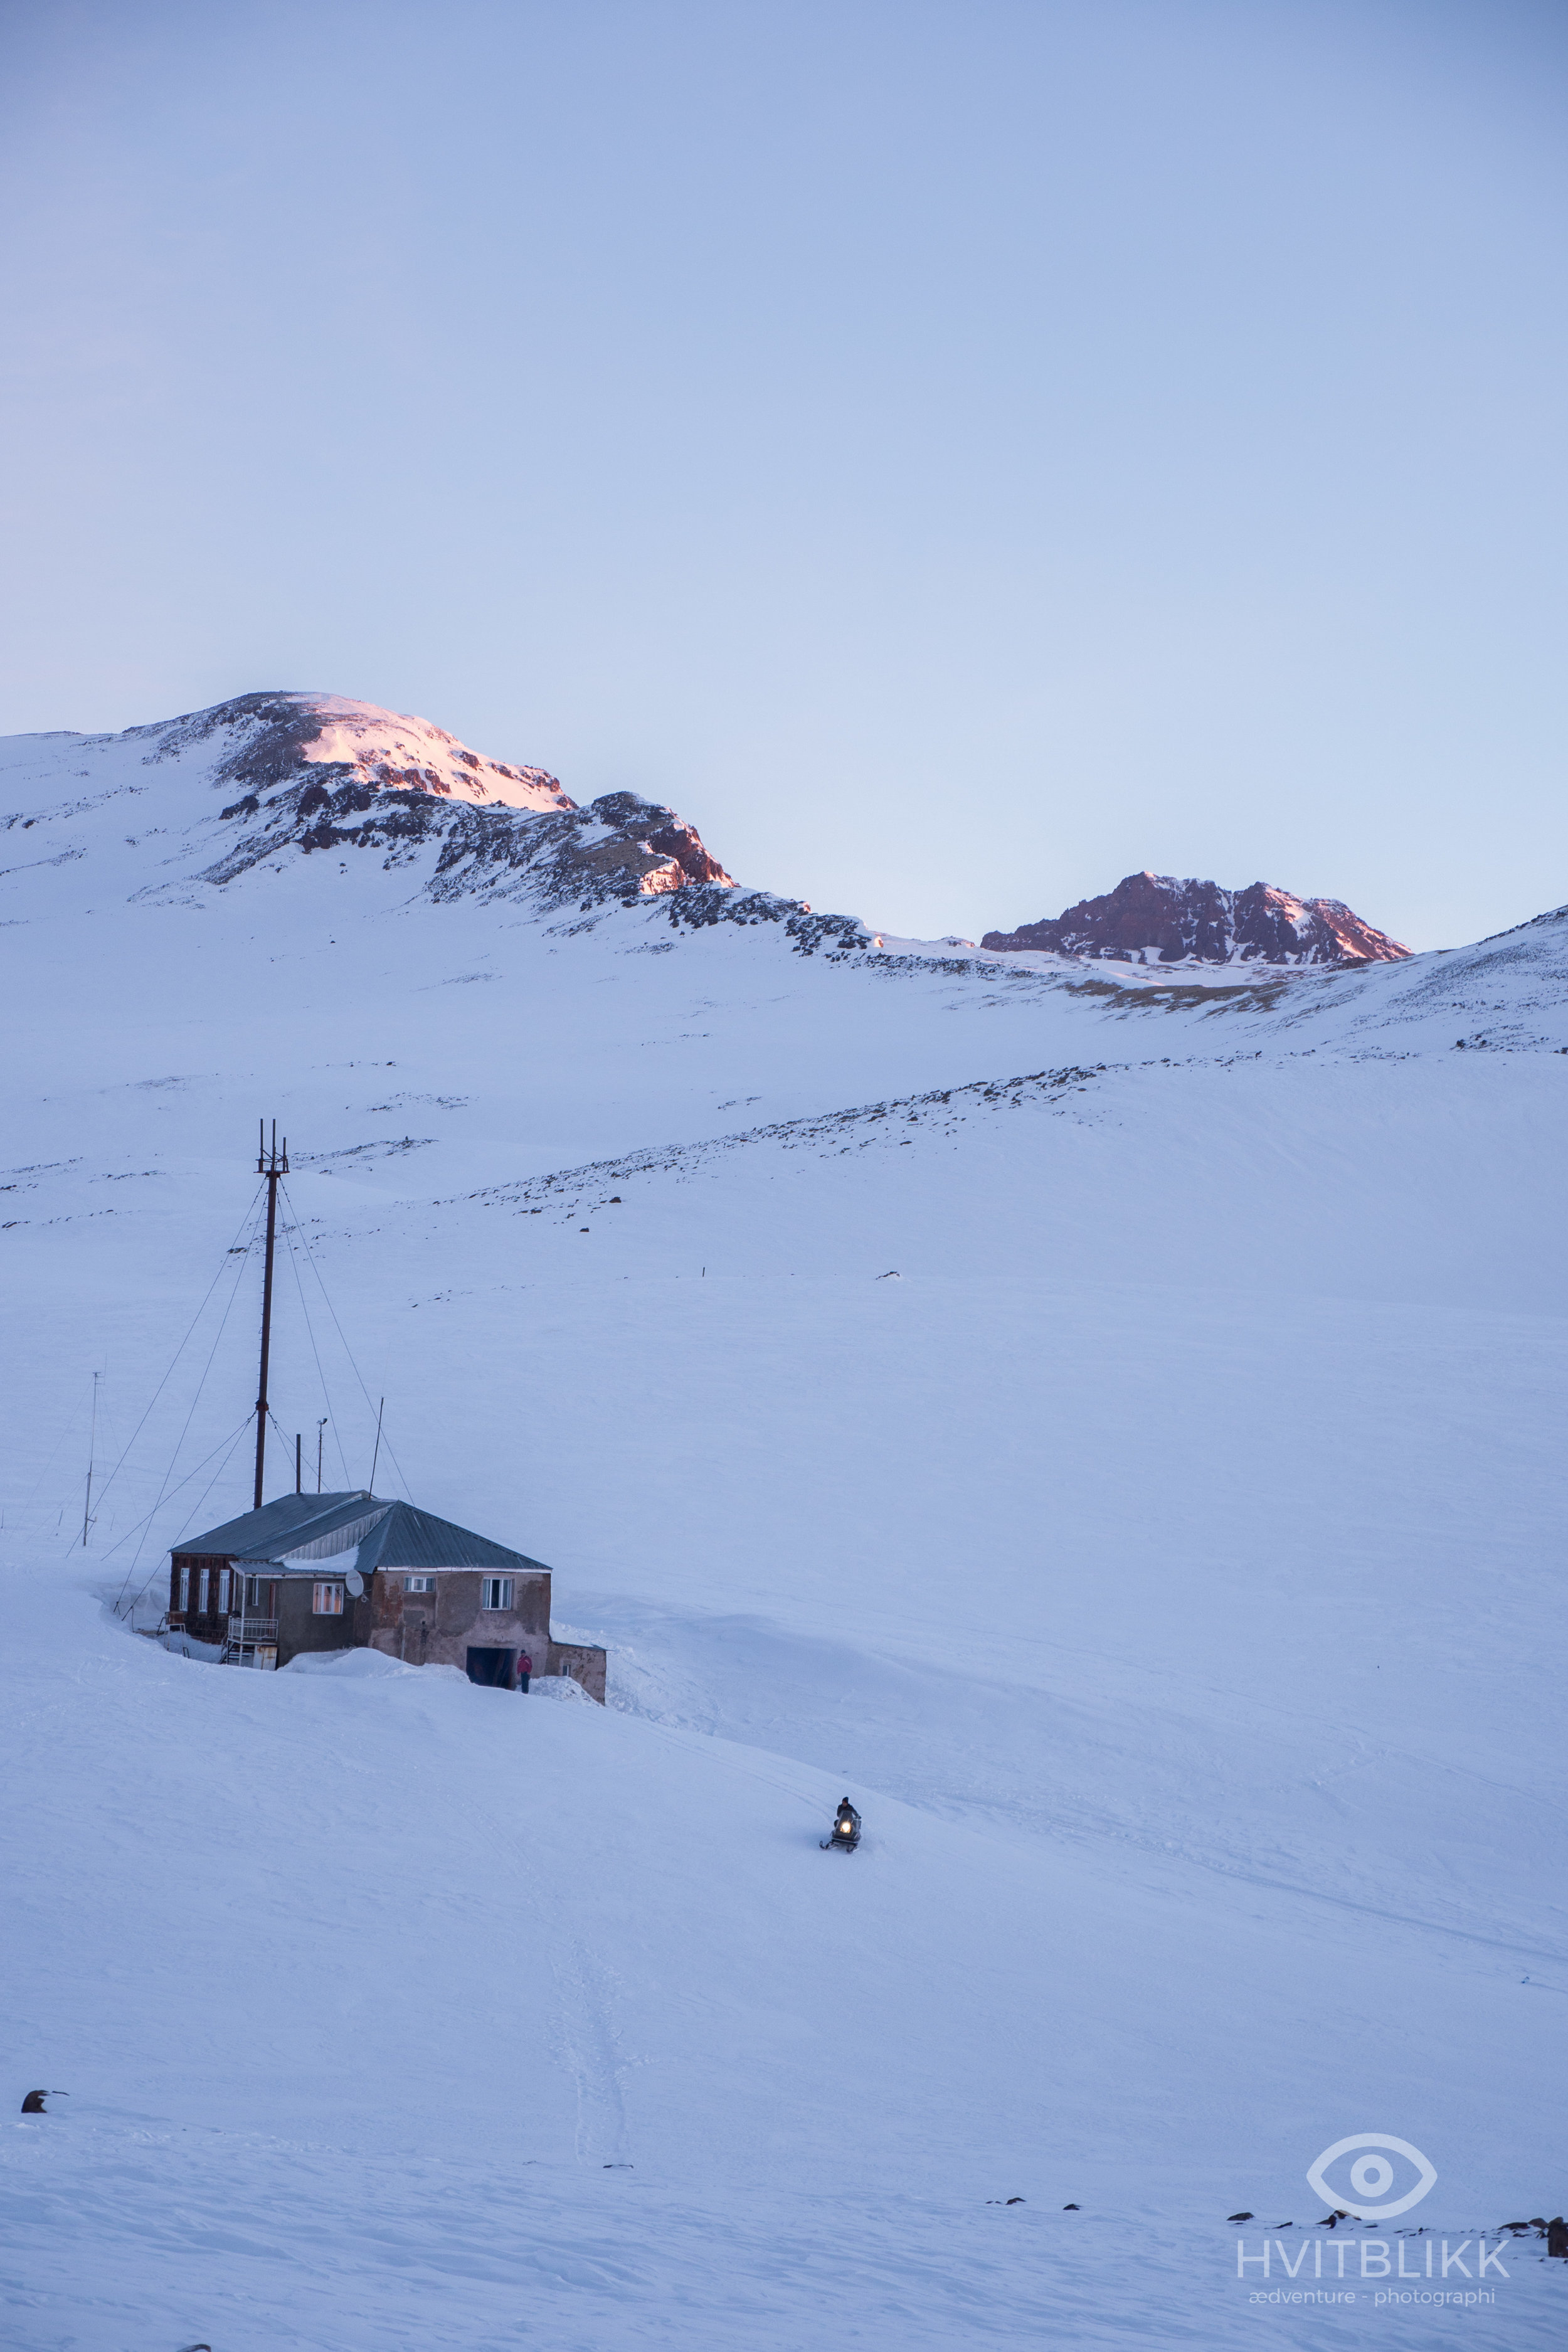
273 1164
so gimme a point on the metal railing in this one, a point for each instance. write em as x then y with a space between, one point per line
244 1630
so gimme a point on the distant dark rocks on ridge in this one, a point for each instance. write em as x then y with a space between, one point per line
1155 918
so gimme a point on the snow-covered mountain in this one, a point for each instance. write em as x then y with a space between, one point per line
1106 1419
265 741
1155 918
272 776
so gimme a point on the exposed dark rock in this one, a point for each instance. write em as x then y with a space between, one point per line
621 848
668 836
1155 918
319 773
271 735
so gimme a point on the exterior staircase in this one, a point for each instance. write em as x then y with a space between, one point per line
250 1641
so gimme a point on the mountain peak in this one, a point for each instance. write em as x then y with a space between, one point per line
1157 919
273 735
165 813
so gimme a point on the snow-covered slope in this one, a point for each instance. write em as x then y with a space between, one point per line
1109 1425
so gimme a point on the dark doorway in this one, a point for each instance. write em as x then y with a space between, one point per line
495 1668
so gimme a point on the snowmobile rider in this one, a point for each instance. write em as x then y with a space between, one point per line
845 1829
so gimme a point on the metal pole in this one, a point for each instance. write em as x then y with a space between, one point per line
272 1164
379 1410
299 1482
91 1444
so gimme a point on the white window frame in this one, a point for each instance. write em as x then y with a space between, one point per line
253 1592
419 1584
184 1601
203 1587
496 1593
327 1597
223 1585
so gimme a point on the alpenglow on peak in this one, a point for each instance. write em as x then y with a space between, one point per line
1156 919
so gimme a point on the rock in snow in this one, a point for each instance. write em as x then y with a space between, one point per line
1155 918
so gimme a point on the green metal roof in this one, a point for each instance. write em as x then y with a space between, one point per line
400 1538
283 1525
411 1538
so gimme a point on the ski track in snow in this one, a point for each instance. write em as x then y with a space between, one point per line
590 2043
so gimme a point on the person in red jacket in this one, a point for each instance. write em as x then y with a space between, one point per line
524 1668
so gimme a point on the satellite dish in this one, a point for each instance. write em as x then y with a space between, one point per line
355 1583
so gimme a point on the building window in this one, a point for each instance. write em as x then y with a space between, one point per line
253 1592
185 1585
203 1584
419 1584
498 1592
327 1601
223 1590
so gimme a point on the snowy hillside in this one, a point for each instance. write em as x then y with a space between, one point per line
1110 1425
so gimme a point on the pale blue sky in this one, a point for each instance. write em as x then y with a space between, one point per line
957 454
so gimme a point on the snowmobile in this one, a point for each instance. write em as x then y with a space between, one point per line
846 1834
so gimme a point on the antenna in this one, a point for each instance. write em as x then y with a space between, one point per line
298 1483
273 1164
376 1457
91 1445
319 1426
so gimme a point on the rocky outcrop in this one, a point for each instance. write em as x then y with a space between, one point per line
1155 918
262 740
218 798
619 847
667 836
315 773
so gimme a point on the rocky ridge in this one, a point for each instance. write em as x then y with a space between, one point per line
315 773
1156 919
265 739
302 775
268 778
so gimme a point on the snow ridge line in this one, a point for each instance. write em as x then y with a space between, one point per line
1048 1086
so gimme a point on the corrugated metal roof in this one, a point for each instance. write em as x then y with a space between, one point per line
297 1527
291 1519
411 1538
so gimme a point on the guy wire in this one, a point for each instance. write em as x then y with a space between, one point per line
184 1344
348 1351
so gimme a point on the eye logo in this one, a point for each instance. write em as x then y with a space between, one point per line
1372 2176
